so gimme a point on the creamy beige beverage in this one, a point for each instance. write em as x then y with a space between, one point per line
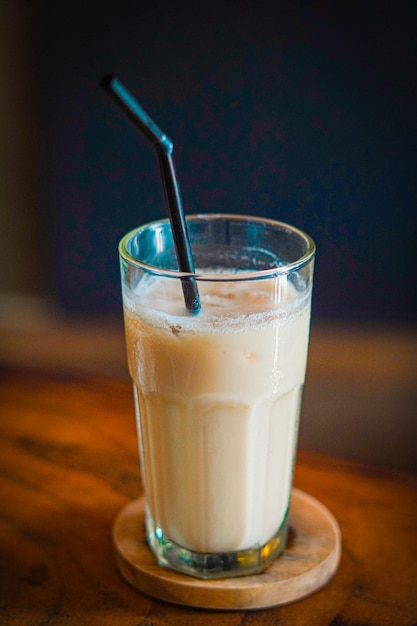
218 396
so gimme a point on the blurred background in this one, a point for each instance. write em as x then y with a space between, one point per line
303 112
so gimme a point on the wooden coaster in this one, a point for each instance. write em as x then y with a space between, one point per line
309 561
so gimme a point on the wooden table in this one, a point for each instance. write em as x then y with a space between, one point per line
68 464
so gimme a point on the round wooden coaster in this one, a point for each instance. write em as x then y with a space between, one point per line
308 563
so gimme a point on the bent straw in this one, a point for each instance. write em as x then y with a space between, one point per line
164 148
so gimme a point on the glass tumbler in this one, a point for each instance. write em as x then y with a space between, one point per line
217 394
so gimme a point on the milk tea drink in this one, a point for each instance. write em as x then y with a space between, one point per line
217 397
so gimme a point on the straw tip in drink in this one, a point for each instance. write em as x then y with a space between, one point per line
195 305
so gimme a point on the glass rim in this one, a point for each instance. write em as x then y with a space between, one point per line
287 268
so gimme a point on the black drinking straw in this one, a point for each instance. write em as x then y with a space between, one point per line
164 148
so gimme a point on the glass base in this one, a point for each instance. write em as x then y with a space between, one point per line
215 565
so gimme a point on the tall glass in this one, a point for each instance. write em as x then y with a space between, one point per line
217 394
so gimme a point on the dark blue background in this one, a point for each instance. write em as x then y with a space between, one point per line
304 112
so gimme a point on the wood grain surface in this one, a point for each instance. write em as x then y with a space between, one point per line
69 464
